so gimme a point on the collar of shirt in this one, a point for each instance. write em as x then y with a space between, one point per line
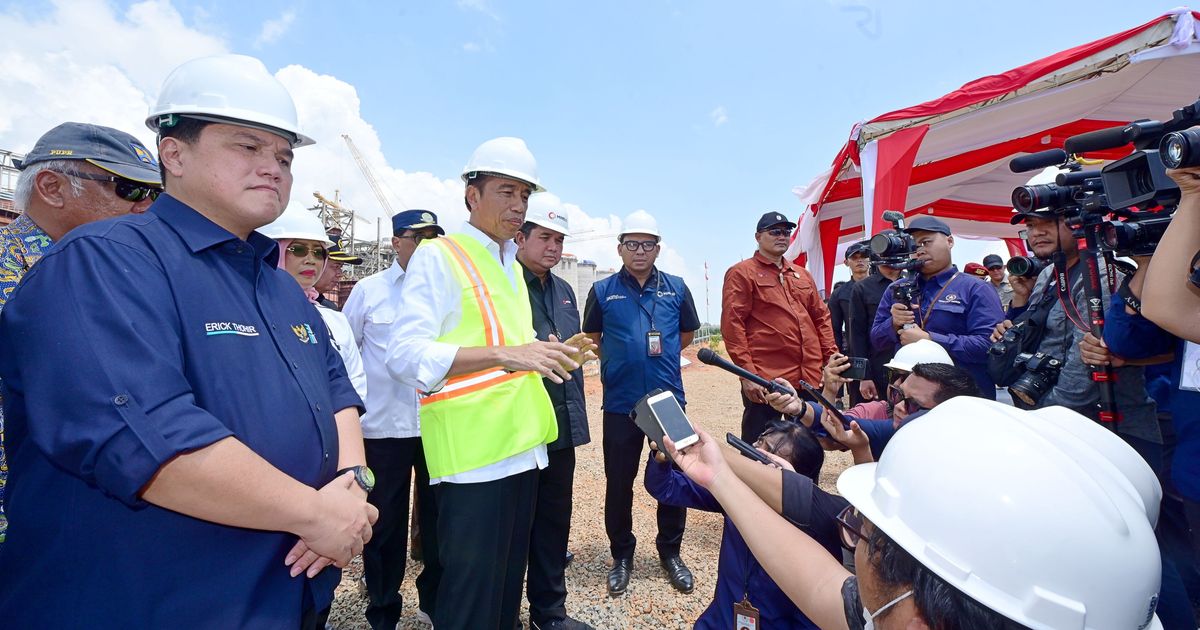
628 278
941 278
24 242
531 279
786 265
200 233
395 273
504 252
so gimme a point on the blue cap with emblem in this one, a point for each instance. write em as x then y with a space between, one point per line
114 151
415 220
771 219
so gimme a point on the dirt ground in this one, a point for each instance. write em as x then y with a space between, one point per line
650 602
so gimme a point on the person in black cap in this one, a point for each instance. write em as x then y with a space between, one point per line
995 267
331 276
773 321
952 309
864 301
392 435
858 260
75 174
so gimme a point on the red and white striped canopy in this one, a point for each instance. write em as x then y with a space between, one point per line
949 157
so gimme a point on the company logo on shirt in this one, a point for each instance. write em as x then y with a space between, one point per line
615 296
951 298
212 329
304 333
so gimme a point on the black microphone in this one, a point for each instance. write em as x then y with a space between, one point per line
1110 138
893 215
706 355
1041 159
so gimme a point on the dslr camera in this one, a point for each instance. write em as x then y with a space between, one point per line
897 249
1041 372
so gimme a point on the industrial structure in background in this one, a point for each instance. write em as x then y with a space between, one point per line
8 185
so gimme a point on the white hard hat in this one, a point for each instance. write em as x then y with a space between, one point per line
231 89
505 157
297 222
920 351
544 210
639 222
1038 526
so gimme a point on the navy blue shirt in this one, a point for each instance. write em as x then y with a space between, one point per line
625 313
961 320
135 340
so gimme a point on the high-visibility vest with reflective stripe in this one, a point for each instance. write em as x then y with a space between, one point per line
484 417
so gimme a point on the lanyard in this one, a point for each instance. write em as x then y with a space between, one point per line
548 311
928 309
654 302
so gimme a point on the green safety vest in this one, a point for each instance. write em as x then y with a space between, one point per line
484 417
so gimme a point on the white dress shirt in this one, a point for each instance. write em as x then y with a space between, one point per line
433 306
392 407
343 341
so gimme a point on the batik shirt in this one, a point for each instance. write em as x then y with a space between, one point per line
22 243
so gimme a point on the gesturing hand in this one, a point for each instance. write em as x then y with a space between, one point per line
586 348
551 359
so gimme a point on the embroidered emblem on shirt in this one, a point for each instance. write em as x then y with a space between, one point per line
951 298
304 333
229 328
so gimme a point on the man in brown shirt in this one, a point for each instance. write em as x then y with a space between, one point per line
773 321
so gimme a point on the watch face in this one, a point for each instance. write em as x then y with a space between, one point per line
368 477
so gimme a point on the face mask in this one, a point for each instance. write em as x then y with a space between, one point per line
871 617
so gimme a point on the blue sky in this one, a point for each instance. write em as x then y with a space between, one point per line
705 114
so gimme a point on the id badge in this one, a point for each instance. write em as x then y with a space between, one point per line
1189 376
745 616
653 343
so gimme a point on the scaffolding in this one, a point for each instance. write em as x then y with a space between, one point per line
340 223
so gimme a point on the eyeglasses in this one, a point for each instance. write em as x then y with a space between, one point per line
777 232
126 189
644 245
417 238
300 251
850 528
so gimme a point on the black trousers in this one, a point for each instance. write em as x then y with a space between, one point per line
623 443
755 417
384 558
483 543
546 584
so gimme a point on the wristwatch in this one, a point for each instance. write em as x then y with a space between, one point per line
362 476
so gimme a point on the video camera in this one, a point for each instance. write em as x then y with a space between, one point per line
897 249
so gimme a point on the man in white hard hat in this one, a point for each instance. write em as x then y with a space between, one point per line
1044 520
465 342
185 414
641 318
555 316
392 433
773 321
75 174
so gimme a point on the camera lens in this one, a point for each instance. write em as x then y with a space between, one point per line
1179 149
1038 196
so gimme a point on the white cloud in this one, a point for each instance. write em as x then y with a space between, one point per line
719 116
471 47
480 6
272 30
85 62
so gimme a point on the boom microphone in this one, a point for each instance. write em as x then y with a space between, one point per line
706 355
1110 138
891 216
1041 159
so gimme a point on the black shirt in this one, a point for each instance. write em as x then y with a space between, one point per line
839 314
813 510
556 312
865 296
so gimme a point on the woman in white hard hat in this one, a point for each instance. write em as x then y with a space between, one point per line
1030 526
304 253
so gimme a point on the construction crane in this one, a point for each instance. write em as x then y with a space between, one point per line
369 176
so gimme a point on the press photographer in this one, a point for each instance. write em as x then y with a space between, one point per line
1171 297
1044 353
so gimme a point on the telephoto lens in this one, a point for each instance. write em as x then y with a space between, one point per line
1038 196
1180 149
1025 266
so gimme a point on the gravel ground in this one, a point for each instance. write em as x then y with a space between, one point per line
650 602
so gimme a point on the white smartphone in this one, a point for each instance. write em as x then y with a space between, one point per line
671 419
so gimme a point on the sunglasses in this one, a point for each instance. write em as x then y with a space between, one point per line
300 251
850 527
777 232
417 238
896 396
633 246
126 189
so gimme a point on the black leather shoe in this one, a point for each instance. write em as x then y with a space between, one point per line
562 624
618 576
681 576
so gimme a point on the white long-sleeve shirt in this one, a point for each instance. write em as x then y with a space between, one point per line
343 339
372 310
433 306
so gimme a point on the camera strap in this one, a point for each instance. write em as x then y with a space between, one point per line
928 309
